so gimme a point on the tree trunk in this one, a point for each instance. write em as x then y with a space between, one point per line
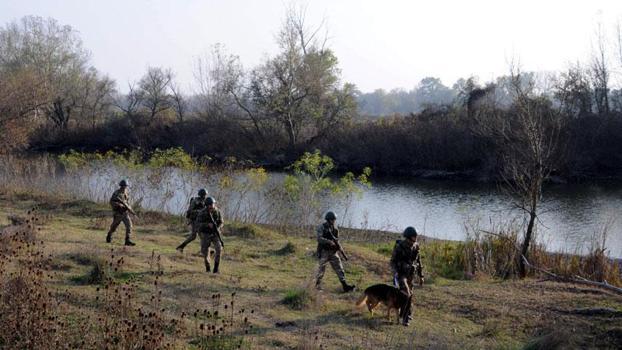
525 248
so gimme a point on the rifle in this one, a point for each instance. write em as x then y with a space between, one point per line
127 207
339 247
419 270
216 228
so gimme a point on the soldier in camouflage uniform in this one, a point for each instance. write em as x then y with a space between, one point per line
209 222
121 212
327 251
405 262
196 204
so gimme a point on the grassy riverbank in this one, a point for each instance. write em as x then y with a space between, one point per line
270 274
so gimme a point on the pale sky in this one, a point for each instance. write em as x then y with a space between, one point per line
380 44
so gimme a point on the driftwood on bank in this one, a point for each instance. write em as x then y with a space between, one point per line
575 279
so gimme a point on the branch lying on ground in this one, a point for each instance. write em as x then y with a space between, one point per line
575 279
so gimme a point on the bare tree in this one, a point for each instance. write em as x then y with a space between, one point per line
573 91
97 96
130 103
153 88
600 72
54 54
221 81
618 40
179 102
528 137
23 96
52 51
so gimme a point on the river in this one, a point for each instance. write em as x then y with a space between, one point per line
571 215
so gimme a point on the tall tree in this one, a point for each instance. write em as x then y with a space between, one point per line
528 137
600 72
54 54
154 92
299 89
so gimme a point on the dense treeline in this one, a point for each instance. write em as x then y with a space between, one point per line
52 99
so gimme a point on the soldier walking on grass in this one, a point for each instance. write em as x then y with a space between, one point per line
327 251
405 262
196 205
209 222
121 212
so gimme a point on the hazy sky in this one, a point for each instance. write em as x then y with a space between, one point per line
380 44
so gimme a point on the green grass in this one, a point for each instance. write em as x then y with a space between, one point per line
272 273
297 299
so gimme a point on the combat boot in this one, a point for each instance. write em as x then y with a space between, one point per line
207 267
347 287
129 243
109 237
216 267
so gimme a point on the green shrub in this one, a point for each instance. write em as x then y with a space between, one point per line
97 274
172 157
287 249
444 259
297 299
248 231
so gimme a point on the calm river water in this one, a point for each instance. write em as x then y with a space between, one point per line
571 214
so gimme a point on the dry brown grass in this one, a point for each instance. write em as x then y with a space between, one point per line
33 315
150 296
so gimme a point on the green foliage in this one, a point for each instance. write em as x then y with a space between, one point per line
172 157
126 159
444 259
77 160
73 160
297 299
257 178
313 164
310 179
385 249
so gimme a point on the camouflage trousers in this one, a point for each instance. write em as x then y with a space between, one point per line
326 257
405 284
192 237
121 217
210 240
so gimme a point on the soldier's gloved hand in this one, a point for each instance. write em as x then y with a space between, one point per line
210 225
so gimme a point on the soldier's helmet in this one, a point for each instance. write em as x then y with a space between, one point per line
202 192
123 183
210 201
330 216
410 232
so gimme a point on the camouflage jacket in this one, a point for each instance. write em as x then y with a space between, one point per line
196 205
324 241
119 201
406 259
203 220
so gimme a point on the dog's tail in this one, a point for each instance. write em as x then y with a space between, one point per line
361 300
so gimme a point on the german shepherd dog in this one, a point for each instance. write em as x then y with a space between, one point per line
390 296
